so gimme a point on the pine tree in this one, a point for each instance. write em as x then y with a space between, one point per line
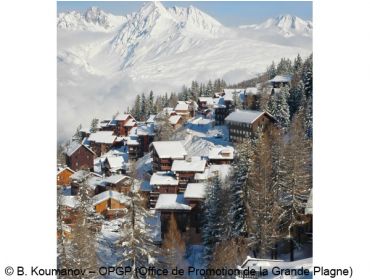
77 136
83 243
212 225
151 108
165 130
279 108
143 108
262 220
297 98
237 210
298 62
284 67
209 89
294 194
94 125
174 246
136 240
307 76
136 110
271 71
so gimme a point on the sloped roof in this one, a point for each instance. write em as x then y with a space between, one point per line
115 162
109 195
281 79
182 106
185 165
151 119
170 149
104 137
244 116
220 152
163 178
172 202
174 119
69 201
65 168
73 147
122 117
114 179
195 190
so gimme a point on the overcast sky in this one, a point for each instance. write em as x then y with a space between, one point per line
229 13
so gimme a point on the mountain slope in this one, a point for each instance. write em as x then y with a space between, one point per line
105 60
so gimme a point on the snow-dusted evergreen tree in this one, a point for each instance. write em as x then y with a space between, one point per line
308 118
136 239
209 89
284 67
297 65
83 242
143 108
212 224
151 107
262 213
307 76
294 194
279 108
174 247
165 130
237 210
271 71
94 125
297 98
77 136
136 110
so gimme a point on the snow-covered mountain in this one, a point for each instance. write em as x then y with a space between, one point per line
104 60
94 19
285 25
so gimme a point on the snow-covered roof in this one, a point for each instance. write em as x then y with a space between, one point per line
195 191
182 106
163 178
281 79
105 137
80 175
170 149
74 146
132 140
207 99
130 122
220 152
122 117
115 162
201 121
172 202
69 201
244 116
151 119
109 195
188 165
145 129
114 179
174 119
251 91
308 209
64 168
231 91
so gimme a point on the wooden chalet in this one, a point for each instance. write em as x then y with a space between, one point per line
165 152
102 141
63 176
280 81
68 210
114 164
221 155
145 136
205 102
246 123
134 148
110 203
123 123
183 109
162 182
79 157
176 121
185 170
118 182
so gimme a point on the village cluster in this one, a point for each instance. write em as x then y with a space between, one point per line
122 154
